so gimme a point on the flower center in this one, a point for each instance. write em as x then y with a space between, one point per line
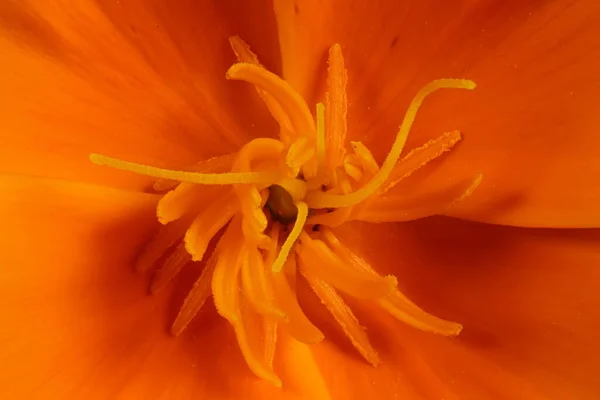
271 209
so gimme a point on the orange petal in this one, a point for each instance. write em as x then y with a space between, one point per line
525 297
126 79
531 125
74 310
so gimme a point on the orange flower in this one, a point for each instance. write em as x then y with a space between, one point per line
145 81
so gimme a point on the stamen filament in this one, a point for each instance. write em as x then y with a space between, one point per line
292 103
228 178
422 155
343 315
400 208
336 106
321 151
225 282
170 268
298 323
253 341
318 260
292 237
256 285
244 54
327 200
196 297
395 303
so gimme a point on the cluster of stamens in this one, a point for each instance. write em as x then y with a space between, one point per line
260 216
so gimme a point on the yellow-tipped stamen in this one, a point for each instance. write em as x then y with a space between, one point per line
270 340
422 155
207 224
257 287
321 151
401 208
343 315
165 238
170 268
292 237
337 217
229 178
352 167
395 303
299 153
292 103
196 298
244 54
214 164
252 340
318 260
225 280
336 106
325 200
365 157
298 323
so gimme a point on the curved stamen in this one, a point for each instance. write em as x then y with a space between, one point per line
293 236
292 103
327 200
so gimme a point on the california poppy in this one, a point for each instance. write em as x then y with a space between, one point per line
145 82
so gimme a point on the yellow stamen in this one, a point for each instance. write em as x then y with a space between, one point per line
299 153
395 303
292 237
256 285
352 167
254 341
164 239
244 54
214 164
326 200
319 261
292 103
170 268
196 297
298 323
207 224
229 178
365 157
270 325
422 155
343 315
400 208
321 151
336 106
337 217
225 282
